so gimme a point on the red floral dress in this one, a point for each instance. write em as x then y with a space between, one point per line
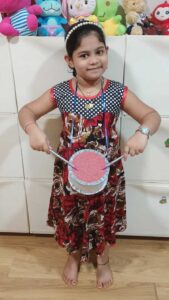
80 221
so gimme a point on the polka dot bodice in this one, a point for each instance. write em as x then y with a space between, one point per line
88 108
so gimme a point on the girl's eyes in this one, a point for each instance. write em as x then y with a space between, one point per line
100 52
84 55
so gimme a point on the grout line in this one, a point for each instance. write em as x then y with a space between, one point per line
12 70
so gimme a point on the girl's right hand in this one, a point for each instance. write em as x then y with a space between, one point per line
38 139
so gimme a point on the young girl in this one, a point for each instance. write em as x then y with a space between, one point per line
90 106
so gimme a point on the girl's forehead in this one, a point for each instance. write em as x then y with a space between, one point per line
90 41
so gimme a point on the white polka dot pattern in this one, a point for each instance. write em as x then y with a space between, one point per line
65 100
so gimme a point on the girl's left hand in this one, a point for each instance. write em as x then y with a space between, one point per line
135 144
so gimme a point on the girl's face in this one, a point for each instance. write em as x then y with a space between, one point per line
90 58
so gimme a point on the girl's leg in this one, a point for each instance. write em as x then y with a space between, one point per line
104 273
71 269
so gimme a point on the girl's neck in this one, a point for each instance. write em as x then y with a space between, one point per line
88 88
88 84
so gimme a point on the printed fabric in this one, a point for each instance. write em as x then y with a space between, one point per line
80 221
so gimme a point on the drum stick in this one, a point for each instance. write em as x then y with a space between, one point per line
62 158
112 162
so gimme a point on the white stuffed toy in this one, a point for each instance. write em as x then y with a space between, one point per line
76 10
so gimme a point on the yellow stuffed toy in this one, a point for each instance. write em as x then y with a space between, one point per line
135 16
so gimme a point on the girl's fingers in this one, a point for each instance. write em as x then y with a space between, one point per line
126 152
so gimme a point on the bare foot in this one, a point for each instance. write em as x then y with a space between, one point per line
71 269
103 274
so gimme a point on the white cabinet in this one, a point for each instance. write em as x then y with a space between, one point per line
39 164
146 74
116 55
31 65
8 103
10 152
152 165
38 195
13 211
147 70
38 64
147 210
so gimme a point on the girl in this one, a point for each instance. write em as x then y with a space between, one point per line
90 106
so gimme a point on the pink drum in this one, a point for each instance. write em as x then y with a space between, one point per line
88 175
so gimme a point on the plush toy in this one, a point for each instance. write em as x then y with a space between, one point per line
50 22
136 18
167 143
21 17
76 10
106 14
160 18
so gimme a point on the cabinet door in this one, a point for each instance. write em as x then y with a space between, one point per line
116 54
10 152
13 212
8 103
39 164
38 196
152 165
147 70
38 64
147 210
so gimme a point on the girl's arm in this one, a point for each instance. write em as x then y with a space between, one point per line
28 115
146 116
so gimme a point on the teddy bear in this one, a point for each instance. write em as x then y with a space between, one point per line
76 10
20 17
160 18
136 18
106 14
50 21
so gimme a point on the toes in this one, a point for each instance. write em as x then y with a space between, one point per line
105 285
69 281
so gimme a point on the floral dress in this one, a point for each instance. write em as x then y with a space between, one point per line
88 222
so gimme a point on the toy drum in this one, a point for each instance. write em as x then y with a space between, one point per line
89 174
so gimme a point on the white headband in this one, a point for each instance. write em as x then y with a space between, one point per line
80 24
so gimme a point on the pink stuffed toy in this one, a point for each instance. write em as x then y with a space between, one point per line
21 17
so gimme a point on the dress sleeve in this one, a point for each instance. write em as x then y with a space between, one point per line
123 99
52 96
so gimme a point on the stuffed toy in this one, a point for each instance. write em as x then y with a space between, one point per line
76 10
160 18
136 19
167 143
106 14
50 22
20 17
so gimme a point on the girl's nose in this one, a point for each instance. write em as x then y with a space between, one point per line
93 59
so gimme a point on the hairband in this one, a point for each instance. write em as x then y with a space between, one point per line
80 24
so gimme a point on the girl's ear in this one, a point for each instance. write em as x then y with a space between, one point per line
69 61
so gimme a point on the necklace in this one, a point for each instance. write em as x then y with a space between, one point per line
91 93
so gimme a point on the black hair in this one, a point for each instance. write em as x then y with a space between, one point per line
75 34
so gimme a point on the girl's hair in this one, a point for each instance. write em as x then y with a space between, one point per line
77 31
